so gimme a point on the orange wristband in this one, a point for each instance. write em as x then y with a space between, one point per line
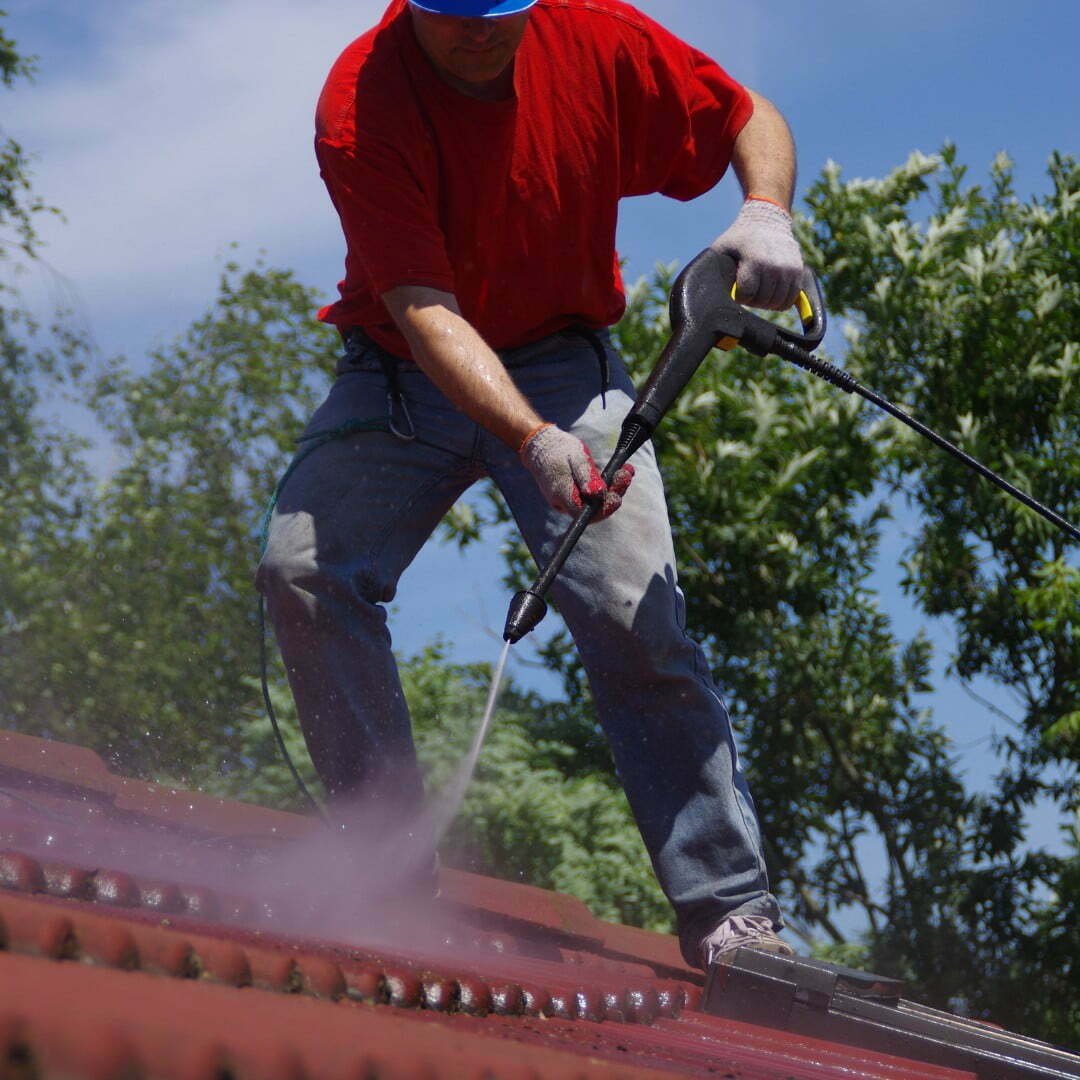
535 431
765 198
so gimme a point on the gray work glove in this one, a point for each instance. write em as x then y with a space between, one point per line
563 467
770 262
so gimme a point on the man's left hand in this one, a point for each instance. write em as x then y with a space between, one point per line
770 262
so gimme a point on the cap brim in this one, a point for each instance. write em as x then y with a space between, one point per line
485 9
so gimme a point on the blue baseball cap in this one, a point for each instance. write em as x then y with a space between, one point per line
485 9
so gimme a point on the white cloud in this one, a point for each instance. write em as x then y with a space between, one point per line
192 129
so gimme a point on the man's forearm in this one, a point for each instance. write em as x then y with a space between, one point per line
760 239
460 363
764 154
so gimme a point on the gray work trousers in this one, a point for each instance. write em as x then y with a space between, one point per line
354 514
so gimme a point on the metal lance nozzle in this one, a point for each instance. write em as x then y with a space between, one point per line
527 611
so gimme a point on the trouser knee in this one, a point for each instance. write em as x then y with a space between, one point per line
298 586
277 573
289 583
634 643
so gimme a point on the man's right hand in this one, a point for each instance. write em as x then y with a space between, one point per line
566 473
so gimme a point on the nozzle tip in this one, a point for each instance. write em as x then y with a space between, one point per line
527 611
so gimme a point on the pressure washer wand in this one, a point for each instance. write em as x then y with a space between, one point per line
705 315
701 315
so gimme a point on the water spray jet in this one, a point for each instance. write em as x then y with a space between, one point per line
444 808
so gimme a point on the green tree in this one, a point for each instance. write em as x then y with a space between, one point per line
41 471
962 302
154 654
18 204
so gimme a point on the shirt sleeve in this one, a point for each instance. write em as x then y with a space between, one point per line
680 114
389 221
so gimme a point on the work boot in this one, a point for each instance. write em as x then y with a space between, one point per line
742 932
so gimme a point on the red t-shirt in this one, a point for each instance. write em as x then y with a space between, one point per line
512 205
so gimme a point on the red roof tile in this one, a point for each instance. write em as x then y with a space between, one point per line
107 972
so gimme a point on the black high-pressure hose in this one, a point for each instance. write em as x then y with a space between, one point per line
705 315
830 373
279 738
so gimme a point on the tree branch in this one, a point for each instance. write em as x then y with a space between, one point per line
987 704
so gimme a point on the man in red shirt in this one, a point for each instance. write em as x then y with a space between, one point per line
476 153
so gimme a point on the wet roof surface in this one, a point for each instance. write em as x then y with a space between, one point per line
133 944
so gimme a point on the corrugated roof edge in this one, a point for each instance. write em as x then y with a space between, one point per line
96 982
42 764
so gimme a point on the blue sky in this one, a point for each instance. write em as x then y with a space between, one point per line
168 131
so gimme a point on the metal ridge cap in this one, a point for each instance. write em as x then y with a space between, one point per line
72 1020
512 987
806 1045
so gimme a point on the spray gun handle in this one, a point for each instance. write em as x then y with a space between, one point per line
704 315
809 304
